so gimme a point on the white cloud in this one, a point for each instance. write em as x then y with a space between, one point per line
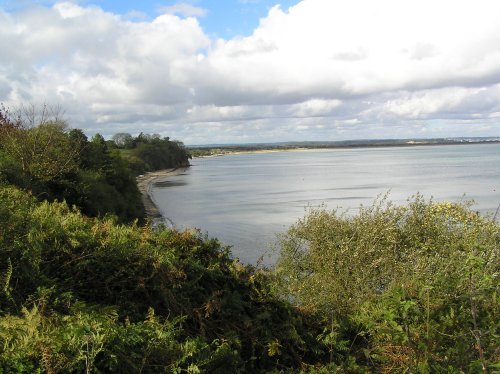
73 54
184 9
360 47
360 68
458 102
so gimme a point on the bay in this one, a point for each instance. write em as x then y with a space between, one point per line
245 200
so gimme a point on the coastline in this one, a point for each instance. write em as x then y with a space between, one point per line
145 183
222 150
253 151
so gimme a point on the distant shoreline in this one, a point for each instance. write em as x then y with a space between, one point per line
222 150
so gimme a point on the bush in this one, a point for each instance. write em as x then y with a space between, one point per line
82 293
399 287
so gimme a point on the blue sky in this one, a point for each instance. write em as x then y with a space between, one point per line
223 18
246 71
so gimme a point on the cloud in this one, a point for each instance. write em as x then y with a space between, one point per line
69 53
184 9
320 70
347 49
453 101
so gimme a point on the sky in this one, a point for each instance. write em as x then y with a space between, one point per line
247 71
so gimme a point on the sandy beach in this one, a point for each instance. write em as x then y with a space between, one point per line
145 183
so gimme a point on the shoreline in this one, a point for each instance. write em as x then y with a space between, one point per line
257 151
243 149
145 183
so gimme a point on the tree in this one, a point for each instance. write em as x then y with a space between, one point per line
123 140
56 164
151 152
44 153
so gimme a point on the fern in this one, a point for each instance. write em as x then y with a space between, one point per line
5 279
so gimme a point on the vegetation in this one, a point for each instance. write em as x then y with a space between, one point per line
392 289
38 153
88 295
150 152
399 289
81 294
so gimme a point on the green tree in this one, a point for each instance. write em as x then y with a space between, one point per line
43 152
57 164
154 153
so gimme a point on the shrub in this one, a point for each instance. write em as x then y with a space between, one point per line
399 287
80 293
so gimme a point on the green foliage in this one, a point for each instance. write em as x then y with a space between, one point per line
55 164
84 294
407 287
150 152
38 154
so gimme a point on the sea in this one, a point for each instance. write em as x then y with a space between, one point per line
247 200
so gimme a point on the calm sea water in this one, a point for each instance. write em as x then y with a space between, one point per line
245 200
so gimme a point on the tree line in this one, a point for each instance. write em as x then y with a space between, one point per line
149 152
39 153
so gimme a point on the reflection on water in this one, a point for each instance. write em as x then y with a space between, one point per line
169 183
245 200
